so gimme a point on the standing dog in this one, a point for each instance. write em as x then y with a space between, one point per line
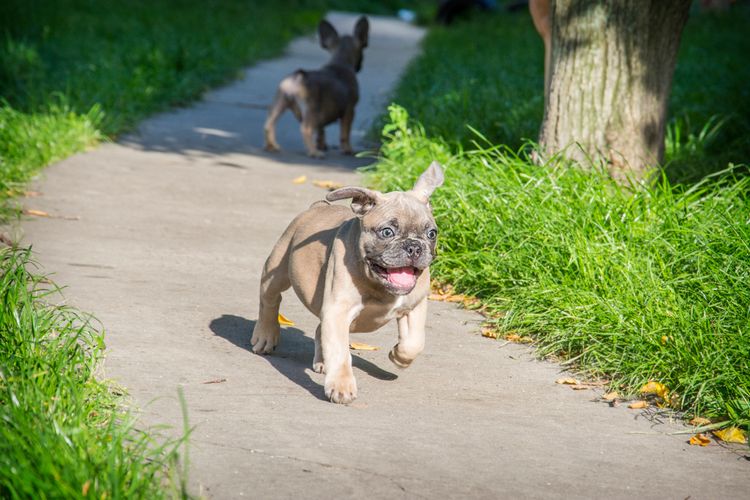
355 272
318 98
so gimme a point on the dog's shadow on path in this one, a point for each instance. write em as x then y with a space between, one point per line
293 356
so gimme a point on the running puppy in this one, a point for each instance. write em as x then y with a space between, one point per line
320 97
356 269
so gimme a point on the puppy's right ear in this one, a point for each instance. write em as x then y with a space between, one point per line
329 37
363 200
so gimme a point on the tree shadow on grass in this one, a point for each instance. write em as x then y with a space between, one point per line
294 354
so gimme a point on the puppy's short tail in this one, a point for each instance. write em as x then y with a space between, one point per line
292 90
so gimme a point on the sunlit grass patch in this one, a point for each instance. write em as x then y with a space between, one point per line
634 285
64 432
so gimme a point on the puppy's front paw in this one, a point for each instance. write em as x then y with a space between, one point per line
272 147
318 367
263 341
317 154
341 389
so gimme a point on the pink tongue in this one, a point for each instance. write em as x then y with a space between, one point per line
402 276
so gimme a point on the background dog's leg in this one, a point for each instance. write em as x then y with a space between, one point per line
275 280
346 128
321 139
410 336
340 385
318 365
307 130
279 105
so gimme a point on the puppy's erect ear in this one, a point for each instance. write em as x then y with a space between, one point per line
328 35
363 200
361 31
428 182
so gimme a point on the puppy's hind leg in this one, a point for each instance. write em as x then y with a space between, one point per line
280 104
275 280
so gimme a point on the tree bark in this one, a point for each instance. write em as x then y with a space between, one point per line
611 74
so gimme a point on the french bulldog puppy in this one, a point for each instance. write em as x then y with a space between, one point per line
356 269
318 98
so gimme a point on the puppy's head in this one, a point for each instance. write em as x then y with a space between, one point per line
346 48
398 231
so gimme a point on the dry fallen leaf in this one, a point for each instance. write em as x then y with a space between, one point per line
215 381
579 387
567 381
329 185
655 388
359 346
31 194
85 488
699 440
36 213
284 321
732 435
638 405
489 332
299 180
696 421
611 396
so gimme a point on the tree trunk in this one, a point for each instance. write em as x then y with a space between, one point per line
611 74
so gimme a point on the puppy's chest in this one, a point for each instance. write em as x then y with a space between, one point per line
376 314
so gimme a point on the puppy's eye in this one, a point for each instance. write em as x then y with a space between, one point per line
432 234
387 232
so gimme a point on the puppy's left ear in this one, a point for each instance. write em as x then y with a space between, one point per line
363 200
328 35
361 31
428 182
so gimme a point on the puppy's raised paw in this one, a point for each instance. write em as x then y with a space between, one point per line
341 389
317 154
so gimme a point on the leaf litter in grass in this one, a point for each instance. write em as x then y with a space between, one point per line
732 435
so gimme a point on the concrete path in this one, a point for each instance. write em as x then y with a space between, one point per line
174 225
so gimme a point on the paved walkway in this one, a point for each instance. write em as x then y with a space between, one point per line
175 223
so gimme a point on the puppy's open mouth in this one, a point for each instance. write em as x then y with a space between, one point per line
401 279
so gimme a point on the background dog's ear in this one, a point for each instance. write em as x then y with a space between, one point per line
362 30
363 200
428 182
329 37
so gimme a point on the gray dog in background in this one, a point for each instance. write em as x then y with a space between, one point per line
318 98
355 269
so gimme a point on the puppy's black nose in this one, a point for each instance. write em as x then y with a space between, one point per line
413 249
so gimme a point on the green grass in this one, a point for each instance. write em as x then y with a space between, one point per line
63 433
634 286
629 285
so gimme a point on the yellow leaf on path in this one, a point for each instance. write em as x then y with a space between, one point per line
299 180
489 332
699 440
732 435
696 421
359 346
655 388
284 321
329 185
638 405
611 396
567 381
37 213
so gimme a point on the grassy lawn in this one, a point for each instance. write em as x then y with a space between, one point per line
627 286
